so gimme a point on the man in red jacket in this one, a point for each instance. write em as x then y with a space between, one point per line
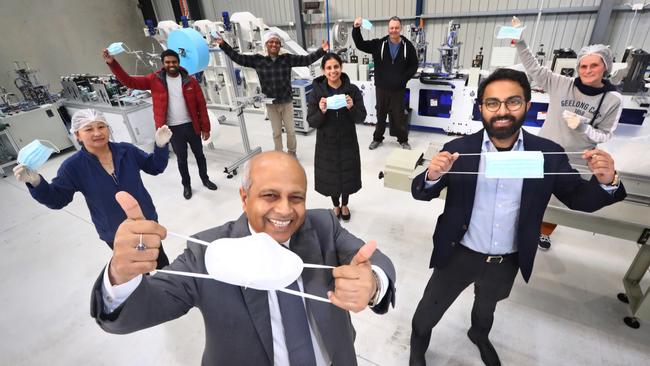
179 103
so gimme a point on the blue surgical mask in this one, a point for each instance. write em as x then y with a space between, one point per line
115 48
507 32
336 102
365 24
35 154
514 164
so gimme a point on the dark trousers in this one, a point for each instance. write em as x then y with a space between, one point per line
391 102
182 135
162 256
492 283
337 203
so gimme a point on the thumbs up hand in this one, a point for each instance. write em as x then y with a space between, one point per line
355 284
136 243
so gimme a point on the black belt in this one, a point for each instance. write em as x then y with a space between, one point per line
490 258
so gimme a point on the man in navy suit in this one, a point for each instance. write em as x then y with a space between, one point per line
490 227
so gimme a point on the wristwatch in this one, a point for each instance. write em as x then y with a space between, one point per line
615 181
375 298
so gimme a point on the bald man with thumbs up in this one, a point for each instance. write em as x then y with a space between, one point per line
245 326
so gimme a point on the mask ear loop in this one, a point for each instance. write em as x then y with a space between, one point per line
51 144
202 275
496 30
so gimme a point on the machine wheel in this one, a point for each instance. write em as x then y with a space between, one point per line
623 298
632 322
229 176
234 172
381 175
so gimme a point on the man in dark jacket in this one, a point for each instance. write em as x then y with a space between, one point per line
490 226
395 63
179 103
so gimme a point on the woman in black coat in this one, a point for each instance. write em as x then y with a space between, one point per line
337 165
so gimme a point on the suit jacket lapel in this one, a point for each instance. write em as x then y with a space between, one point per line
257 301
530 185
305 243
471 164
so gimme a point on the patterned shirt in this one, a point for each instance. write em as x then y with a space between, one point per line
274 73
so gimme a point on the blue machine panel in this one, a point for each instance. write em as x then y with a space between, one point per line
632 116
435 103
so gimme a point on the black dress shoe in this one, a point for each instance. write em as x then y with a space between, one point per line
211 186
488 353
337 212
346 217
187 192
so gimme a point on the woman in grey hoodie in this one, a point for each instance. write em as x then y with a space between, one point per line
582 111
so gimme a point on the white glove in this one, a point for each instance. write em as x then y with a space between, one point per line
573 120
163 135
26 175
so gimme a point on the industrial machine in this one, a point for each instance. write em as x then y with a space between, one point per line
638 74
33 92
417 36
450 50
564 62
300 89
20 128
35 117
129 113
103 90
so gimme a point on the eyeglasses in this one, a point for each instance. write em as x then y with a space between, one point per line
512 104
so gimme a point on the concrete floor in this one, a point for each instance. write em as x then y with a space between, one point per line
567 315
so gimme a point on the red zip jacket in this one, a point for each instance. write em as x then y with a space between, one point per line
157 83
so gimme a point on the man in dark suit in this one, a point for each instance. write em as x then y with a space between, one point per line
490 227
245 326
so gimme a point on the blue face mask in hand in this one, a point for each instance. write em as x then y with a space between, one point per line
35 154
514 164
336 102
115 48
507 32
366 24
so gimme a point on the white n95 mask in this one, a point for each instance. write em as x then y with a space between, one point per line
255 261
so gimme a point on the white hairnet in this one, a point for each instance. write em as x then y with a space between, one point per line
270 34
83 117
600 50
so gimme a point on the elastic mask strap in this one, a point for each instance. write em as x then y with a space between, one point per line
51 144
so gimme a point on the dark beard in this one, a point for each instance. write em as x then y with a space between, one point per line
504 133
